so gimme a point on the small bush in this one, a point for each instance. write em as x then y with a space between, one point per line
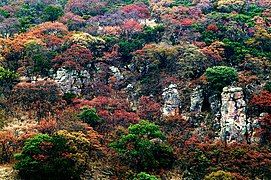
267 86
143 148
7 76
52 13
222 175
47 157
89 116
145 176
221 76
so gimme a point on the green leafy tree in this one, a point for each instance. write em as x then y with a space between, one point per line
7 78
144 147
52 12
89 115
47 157
221 76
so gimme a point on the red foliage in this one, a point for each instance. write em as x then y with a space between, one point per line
42 97
112 110
7 142
76 57
122 115
264 130
212 27
131 25
186 22
148 108
205 158
48 126
141 10
263 99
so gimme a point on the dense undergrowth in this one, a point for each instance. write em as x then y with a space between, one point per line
109 123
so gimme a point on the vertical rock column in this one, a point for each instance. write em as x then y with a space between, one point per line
233 121
172 102
196 99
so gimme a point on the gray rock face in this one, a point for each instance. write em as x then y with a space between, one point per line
233 120
172 103
71 80
215 104
119 76
196 99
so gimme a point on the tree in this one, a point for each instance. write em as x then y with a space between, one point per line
222 175
76 57
221 76
52 13
42 97
7 79
89 116
144 148
45 157
36 59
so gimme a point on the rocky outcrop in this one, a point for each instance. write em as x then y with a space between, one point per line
71 80
172 102
196 100
117 74
233 120
215 105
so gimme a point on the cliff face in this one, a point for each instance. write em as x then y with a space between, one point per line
233 122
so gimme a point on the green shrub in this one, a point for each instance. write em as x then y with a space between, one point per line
143 148
221 76
4 13
52 13
47 157
7 76
89 116
145 176
7 79
68 97
267 86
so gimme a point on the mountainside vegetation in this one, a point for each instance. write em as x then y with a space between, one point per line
135 89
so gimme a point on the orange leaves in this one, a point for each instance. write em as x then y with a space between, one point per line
47 126
48 34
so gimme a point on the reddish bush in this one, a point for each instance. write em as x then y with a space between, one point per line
110 109
42 97
47 126
139 10
148 108
76 57
212 27
203 158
